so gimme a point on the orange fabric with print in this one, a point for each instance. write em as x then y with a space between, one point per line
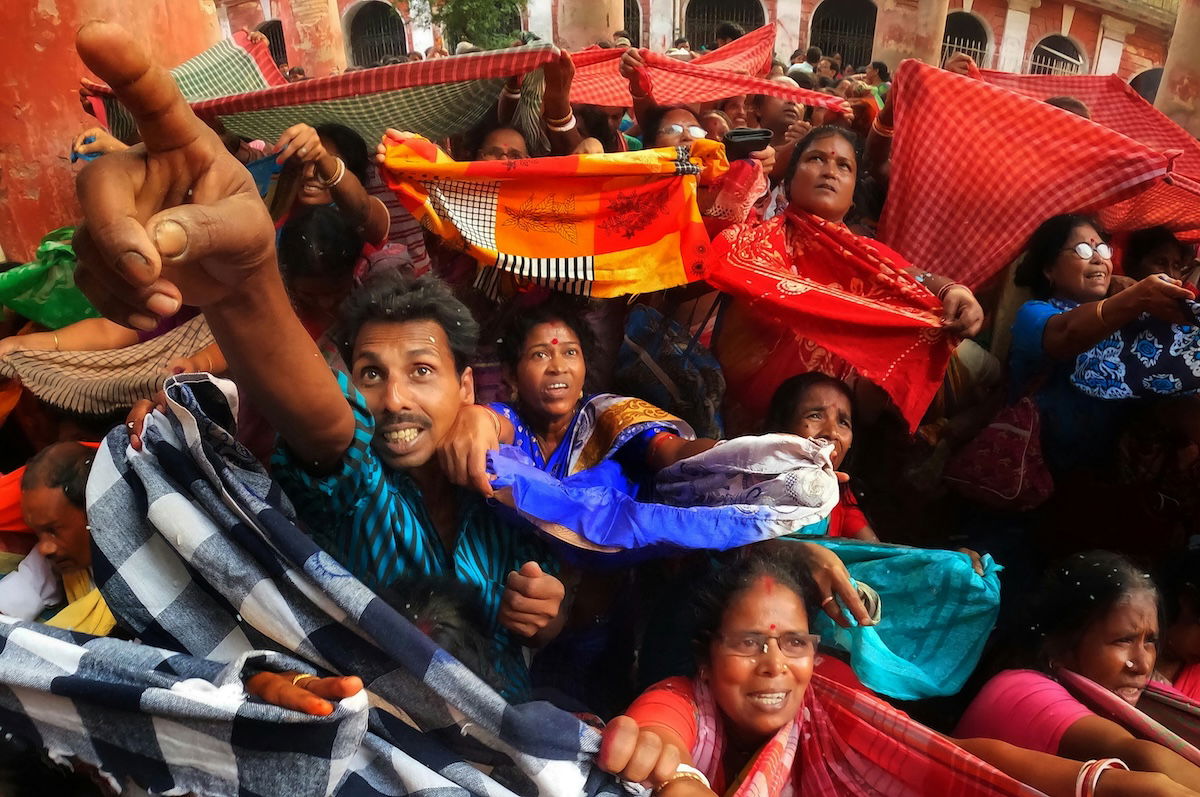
593 225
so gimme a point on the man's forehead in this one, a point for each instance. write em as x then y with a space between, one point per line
408 335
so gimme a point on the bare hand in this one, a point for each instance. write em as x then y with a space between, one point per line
309 695
766 158
976 561
174 219
1118 283
464 449
796 131
531 600
559 74
633 69
637 755
257 37
103 142
960 64
833 580
962 315
1160 295
135 421
300 142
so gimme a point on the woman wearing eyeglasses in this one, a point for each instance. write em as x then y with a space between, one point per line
1068 267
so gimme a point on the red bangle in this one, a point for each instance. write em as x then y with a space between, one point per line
658 440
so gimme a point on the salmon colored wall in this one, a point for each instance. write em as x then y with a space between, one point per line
1046 20
39 105
1143 51
992 13
246 15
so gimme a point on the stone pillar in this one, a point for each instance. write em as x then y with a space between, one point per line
787 31
541 18
1112 44
313 31
1016 30
909 29
1179 93
582 23
662 26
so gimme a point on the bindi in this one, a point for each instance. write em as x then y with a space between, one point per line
553 341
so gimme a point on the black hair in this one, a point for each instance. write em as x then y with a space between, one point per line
815 135
319 242
62 465
604 44
812 55
1075 594
449 612
825 82
652 119
782 409
396 298
681 40
805 80
1142 242
350 146
737 571
512 344
885 74
797 53
1072 104
729 30
1043 249
594 122
621 34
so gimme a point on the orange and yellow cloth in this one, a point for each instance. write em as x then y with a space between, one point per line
593 225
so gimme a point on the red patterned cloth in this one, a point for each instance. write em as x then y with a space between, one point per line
805 289
975 168
725 72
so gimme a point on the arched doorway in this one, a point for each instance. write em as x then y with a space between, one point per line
375 32
965 33
1147 82
846 27
633 21
1056 55
702 17
273 30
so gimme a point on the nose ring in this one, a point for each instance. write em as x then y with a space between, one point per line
1129 664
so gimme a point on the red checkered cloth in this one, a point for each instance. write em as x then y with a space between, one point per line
976 168
726 72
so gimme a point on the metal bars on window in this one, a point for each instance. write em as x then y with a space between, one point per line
847 28
273 30
376 33
702 17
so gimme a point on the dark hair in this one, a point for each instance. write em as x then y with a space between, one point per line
735 573
604 44
318 242
819 134
350 146
512 344
782 408
396 298
1043 248
1142 242
62 465
812 55
729 30
681 40
1077 592
1072 104
594 122
652 119
797 53
885 74
621 34
805 80
825 82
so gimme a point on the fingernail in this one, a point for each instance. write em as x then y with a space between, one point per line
135 265
170 238
143 322
162 304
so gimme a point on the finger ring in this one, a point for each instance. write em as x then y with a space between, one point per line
303 150
827 600
301 677
130 425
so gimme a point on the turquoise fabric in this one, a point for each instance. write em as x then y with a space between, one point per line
937 614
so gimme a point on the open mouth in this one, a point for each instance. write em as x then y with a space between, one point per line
768 701
1129 694
556 390
401 439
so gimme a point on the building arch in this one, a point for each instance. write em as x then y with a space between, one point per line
967 32
273 30
374 31
633 21
701 18
1146 83
1057 55
846 27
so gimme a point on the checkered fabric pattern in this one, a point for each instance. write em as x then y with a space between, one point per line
197 553
966 192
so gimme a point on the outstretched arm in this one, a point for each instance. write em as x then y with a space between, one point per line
178 220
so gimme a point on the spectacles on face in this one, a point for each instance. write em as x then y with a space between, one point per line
501 154
749 643
1086 250
677 130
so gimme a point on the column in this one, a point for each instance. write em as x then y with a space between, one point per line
662 26
313 31
1112 44
1016 30
1179 92
541 18
910 29
422 33
582 23
787 31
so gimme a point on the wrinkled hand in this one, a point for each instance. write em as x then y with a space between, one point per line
637 755
103 143
135 421
464 449
175 219
765 158
833 579
300 142
796 131
532 599
1160 295
23 343
961 313
633 69
960 64
308 695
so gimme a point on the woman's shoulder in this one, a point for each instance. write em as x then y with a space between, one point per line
670 703
1026 708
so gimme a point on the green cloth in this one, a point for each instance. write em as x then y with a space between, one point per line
44 291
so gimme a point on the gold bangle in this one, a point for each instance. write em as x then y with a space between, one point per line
675 778
1100 312
56 346
296 681
208 359
560 122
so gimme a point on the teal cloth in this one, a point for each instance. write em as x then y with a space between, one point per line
44 290
937 614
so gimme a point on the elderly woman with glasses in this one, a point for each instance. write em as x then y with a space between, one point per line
1077 304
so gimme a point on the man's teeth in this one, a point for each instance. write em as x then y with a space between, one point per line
769 699
401 435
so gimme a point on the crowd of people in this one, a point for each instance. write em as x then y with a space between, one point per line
456 450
